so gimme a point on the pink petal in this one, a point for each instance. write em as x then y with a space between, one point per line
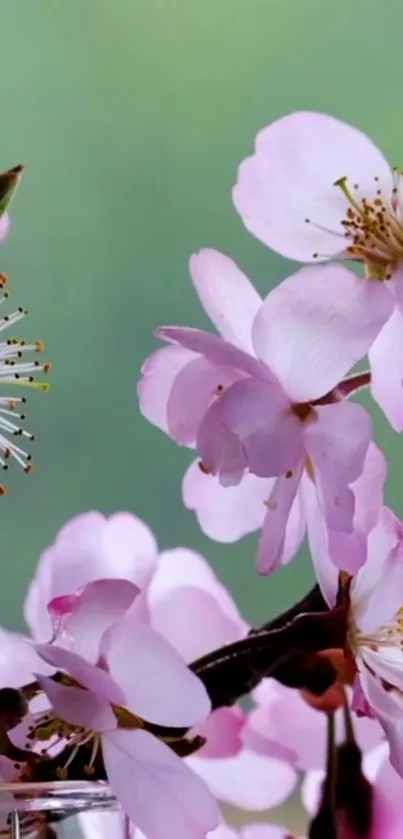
373 590
156 789
78 707
227 296
326 572
386 360
337 444
156 684
387 817
192 621
222 730
225 513
182 568
93 678
190 607
389 714
220 448
331 550
313 327
94 609
214 348
159 372
386 664
249 781
89 547
271 550
18 660
196 386
257 414
291 178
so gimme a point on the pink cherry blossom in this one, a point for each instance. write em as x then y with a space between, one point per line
267 405
318 189
137 670
89 547
184 602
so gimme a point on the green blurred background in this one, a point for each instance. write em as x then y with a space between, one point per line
131 117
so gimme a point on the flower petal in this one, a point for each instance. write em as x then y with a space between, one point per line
291 178
89 547
159 372
389 713
225 513
155 681
227 296
337 444
257 415
214 348
79 707
190 607
164 798
282 499
196 386
376 589
93 678
313 327
94 609
222 730
249 781
386 361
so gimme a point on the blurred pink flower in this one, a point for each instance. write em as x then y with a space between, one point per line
282 722
266 404
107 825
317 189
136 669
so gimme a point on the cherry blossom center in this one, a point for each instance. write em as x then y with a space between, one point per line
390 635
374 228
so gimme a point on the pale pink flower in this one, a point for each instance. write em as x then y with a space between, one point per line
267 404
89 547
137 670
318 189
185 602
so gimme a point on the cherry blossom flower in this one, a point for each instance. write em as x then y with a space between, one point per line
266 404
135 676
89 547
183 600
318 189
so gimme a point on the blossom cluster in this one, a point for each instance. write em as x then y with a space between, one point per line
137 658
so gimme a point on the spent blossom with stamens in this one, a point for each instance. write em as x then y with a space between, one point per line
264 401
318 189
16 371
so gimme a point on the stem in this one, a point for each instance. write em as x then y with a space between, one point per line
353 384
